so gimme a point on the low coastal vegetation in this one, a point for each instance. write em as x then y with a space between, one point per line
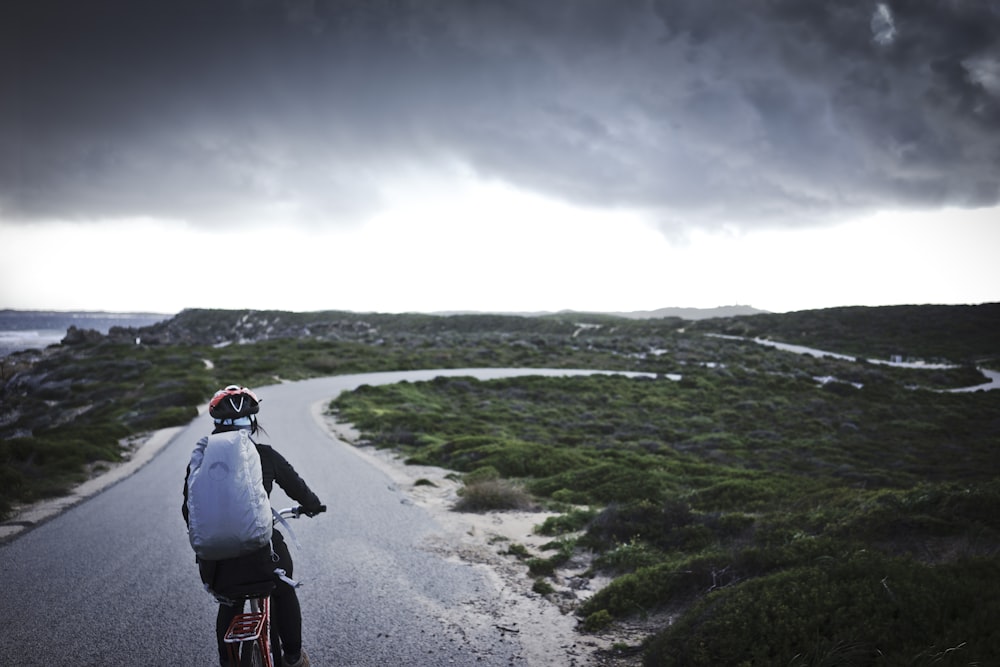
779 519
959 334
763 507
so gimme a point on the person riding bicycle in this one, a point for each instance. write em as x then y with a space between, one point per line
235 408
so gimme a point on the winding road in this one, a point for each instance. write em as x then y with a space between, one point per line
112 580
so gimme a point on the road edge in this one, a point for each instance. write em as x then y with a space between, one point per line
27 517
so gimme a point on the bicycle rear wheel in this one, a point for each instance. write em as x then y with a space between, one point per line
251 655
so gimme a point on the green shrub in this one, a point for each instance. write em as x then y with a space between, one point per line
542 587
605 483
542 567
492 494
731 524
629 557
656 523
170 417
481 474
509 457
869 608
671 581
743 493
519 551
547 566
570 522
597 621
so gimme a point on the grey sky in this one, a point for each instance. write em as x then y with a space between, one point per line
757 112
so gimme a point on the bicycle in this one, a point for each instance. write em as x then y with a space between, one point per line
248 637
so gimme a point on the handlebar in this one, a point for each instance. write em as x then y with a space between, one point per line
299 510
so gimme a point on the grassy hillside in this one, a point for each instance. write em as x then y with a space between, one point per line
785 509
783 521
959 334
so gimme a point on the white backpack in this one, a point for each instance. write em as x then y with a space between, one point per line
229 514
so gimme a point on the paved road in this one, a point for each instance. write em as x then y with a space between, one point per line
112 580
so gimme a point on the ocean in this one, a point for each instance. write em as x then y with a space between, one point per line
28 329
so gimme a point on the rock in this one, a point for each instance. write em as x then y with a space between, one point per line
75 336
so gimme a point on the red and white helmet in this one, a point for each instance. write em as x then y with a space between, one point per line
232 403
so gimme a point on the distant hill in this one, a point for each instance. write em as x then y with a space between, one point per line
37 329
956 333
217 327
683 313
690 313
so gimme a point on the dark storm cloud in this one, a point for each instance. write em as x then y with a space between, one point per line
713 112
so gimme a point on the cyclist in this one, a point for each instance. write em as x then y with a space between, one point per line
235 408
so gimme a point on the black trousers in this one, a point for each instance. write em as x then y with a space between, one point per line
286 615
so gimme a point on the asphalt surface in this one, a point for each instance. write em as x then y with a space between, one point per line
112 580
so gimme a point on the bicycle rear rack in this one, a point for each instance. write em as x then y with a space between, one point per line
250 626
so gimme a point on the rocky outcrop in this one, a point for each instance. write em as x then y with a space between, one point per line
75 336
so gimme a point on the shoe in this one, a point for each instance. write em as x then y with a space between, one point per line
303 660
